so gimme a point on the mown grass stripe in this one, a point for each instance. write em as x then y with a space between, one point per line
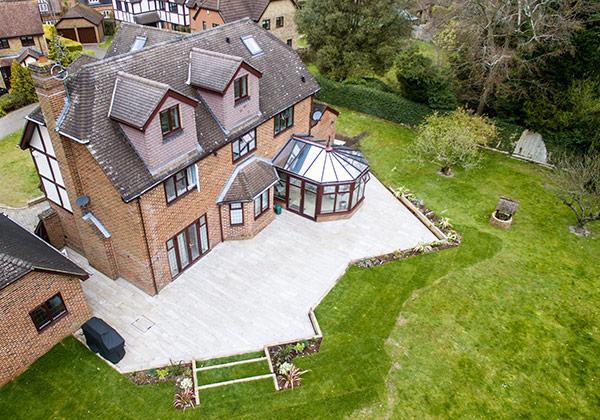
235 381
240 362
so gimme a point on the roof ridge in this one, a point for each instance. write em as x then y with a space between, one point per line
144 80
217 54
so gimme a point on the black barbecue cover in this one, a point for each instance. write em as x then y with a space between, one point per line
103 339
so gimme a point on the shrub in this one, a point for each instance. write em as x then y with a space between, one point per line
151 372
177 369
293 376
421 248
444 223
284 352
162 373
187 383
10 102
21 83
299 347
285 368
371 101
184 399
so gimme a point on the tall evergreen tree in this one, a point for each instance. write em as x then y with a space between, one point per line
353 37
21 83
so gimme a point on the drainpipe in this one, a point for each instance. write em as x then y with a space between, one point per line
220 223
147 247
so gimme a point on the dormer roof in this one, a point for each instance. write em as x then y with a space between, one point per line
215 71
135 99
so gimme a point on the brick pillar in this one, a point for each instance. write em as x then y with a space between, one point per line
51 221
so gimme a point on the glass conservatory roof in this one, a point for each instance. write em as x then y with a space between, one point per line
316 162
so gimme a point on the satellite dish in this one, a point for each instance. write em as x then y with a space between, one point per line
82 201
316 116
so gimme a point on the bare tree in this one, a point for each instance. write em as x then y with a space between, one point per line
577 178
488 39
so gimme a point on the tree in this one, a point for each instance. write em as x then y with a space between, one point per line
453 139
57 49
21 83
352 37
490 41
577 178
421 81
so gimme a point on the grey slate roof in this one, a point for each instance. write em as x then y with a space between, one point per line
507 205
97 4
248 180
232 10
212 70
147 18
79 62
79 11
37 116
22 252
125 37
90 92
135 99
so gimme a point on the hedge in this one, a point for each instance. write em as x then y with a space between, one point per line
371 101
10 102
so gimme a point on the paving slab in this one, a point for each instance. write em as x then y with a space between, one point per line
245 294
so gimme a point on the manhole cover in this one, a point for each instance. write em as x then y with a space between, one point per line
143 324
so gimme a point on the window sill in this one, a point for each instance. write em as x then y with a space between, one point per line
283 131
241 101
54 321
245 155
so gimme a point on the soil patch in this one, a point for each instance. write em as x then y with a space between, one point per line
151 376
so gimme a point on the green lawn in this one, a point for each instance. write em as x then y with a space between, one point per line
504 326
228 373
17 172
106 42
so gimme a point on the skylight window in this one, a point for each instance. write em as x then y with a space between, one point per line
139 43
252 45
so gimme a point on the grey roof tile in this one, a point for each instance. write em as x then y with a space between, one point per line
250 178
212 70
91 89
127 32
81 11
22 252
20 19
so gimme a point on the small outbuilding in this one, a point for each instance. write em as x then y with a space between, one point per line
82 24
505 210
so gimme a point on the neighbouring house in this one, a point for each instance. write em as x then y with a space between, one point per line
21 36
105 7
50 11
163 14
82 24
276 16
165 148
41 298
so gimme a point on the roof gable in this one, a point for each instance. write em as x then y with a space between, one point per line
80 11
136 99
215 71
20 19
22 252
249 179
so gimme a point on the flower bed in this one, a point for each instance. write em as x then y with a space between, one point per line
282 359
169 373
452 240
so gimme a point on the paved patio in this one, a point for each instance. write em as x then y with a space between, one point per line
245 294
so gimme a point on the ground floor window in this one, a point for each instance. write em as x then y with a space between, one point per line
48 312
236 214
311 199
261 204
187 246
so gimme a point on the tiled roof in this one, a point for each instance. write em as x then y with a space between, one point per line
135 99
79 62
96 4
90 92
28 51
20 19
37 116
212 70
22 252
125 37
249 179
232 10
147 18
79 11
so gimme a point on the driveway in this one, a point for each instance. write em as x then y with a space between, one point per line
15 120
245 294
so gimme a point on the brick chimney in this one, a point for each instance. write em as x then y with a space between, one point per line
50 91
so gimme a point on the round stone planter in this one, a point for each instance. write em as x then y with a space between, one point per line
502 224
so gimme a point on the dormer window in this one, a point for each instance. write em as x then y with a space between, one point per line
240 88
169 121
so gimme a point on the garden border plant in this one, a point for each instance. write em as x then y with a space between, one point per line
281 360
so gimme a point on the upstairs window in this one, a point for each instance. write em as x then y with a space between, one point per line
289 42
284 120
118 3
240 88
266 24
204 25
252 45
48 312
161 5
215 25
169 121
279 22
43 7
27 41
181 183
3 44
261 204
172 7
236 214
244 145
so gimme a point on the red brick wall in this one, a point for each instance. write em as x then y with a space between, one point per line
251 225
21 342
325 129
205 15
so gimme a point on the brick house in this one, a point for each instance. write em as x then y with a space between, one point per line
41 299
105 7
167 145
21 36
276 16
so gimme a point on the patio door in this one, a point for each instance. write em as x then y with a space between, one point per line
187 246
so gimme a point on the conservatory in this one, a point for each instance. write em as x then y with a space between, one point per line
319 180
